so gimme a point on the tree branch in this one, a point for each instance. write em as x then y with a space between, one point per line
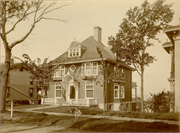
23 17
22 39
136 69
36 19
54 19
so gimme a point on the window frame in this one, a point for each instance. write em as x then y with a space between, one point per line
123 88
117 92
58 89
94 67
84 68
58 72
89 84
89 68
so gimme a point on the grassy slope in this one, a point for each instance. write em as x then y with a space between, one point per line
85 124
97 111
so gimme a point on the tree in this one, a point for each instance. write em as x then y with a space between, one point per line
41 72
13 13
162 102
136 33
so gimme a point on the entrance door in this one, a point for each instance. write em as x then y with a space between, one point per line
72 92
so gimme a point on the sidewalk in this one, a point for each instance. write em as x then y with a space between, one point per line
96 116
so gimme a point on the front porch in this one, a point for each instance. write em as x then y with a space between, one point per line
72 102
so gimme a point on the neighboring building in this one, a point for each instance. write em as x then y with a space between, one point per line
20 86
80 63
173 48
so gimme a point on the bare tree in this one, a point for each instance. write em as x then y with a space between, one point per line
15 12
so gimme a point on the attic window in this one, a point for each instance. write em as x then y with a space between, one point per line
74 52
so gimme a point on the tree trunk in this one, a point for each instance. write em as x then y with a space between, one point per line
104 94
4 79
142 91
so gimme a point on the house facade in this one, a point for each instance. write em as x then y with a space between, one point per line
173 48
79 81
20 86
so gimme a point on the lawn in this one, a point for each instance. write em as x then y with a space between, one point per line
69 124
97 111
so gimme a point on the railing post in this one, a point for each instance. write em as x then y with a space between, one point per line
70 101
88 102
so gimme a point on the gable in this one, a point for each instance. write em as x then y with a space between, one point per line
90 53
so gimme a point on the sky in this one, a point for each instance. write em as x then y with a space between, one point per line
52 38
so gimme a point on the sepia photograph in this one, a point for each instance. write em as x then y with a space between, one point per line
90 66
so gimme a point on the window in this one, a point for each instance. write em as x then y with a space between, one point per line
31 92
31 82
123 75
94 68
82 69
58 90
88 68
70 53
60 72
77 52
116 91
122 92
74 52
89 89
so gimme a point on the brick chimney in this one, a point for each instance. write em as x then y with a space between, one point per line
97 33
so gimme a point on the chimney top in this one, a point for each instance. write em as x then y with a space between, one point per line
97 33
97 27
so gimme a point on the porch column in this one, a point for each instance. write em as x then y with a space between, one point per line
177 71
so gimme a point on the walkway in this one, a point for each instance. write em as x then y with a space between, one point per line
96 116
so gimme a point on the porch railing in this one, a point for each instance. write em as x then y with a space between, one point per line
48 100
84 102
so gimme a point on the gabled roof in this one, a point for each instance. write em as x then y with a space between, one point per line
90 54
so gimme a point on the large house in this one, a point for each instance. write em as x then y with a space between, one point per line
20 87
78 80
173 48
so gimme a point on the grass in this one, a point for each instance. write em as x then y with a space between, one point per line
97 111
83 124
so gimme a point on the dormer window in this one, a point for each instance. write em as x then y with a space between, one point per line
70 53
77 52
74 49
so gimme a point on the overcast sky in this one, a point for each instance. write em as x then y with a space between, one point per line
52 38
